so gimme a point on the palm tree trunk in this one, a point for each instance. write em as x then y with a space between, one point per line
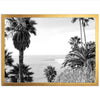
80 31
21 52
84 33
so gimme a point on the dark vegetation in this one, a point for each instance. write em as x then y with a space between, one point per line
20 29
50 73
14 73
80 61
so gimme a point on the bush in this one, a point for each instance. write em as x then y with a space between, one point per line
77 75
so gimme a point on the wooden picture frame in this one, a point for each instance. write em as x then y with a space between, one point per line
95 16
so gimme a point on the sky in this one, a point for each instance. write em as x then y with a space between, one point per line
52 36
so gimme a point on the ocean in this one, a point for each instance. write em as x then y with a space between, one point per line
39 62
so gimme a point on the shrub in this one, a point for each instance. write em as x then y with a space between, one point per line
77 75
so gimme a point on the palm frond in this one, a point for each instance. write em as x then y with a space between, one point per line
74 20
27 74
8 58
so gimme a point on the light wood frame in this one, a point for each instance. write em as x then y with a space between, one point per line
96 16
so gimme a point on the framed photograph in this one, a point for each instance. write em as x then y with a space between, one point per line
50 50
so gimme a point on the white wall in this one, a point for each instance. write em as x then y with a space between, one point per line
49 7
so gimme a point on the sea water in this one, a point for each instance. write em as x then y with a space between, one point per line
39 62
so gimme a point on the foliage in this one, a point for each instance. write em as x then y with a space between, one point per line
80 65
82 56
20 28
83 23
8 61
85 20
75 42
50 73
80 62
8 58
77 75
14 73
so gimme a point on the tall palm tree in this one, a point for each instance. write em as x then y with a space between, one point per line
21 28
83 23
73 21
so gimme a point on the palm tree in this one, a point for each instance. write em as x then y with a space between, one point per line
21 28
83 23
75 42
73 21
27 74
50 73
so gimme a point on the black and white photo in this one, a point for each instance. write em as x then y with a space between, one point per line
50 49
